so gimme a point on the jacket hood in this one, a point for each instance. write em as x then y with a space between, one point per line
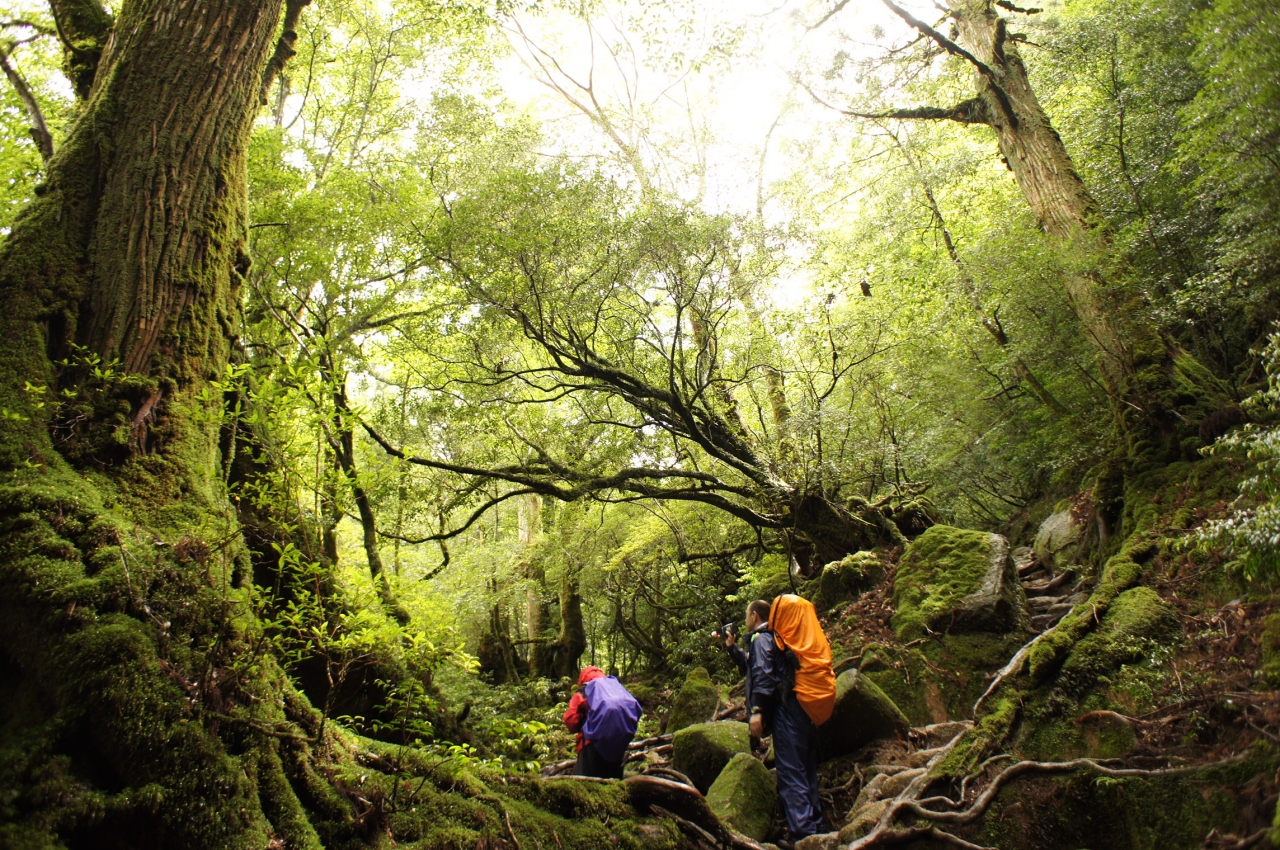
590 674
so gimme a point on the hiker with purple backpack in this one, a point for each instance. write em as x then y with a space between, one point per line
605 716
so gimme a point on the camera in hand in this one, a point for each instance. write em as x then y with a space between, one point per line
726 629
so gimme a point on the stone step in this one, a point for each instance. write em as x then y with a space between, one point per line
1029 567
1042 622
1068 603
1043 603
1039 588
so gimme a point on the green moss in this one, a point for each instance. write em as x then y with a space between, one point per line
863 713
1136 622
695 702
744 796
907 686
983 740
1060 739
1121 572
1086 810
942 585
844 579
701 751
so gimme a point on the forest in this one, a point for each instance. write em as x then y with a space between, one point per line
368 368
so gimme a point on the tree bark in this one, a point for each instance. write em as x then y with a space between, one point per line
345 451
118 285
1043 170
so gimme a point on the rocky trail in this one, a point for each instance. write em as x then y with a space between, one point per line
978 725
1050 596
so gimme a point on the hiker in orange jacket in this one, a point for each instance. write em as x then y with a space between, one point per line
774 710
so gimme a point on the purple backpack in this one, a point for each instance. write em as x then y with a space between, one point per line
612 716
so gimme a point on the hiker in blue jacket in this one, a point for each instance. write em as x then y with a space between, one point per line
775 710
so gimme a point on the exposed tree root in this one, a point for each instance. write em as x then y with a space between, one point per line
1243 844
1014 665
907 801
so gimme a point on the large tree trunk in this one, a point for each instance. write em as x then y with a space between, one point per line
139 719
1043 169
1156 388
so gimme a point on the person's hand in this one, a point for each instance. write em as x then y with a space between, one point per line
757 725
730 639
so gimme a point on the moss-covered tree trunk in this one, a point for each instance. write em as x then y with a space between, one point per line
131 715
1155 387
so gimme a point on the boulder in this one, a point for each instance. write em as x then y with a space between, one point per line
701 751
695 702
1058 538
844 579
862 714
955 580
1137 623
744 795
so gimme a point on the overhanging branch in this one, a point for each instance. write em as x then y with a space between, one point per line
954 49
1005 4
971 111
551 479
284 47
39 129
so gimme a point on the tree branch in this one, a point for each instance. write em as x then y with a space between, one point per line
39 129
637 481
971 111
1005 4
956 50
83 27
284 47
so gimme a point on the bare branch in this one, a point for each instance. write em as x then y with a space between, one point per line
835 10
956 50
39 129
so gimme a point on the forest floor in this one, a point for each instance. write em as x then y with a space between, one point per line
1198 723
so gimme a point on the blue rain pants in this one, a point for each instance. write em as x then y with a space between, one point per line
796 761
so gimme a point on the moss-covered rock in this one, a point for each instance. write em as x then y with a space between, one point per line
1097 736
941 678
863 713
1083 810
1058 538
701 751
844 579
1136 622
744 795
957 580
695 702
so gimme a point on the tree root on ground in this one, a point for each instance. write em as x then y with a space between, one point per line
882 835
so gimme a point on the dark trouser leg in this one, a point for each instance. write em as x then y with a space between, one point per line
797 769
591 763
